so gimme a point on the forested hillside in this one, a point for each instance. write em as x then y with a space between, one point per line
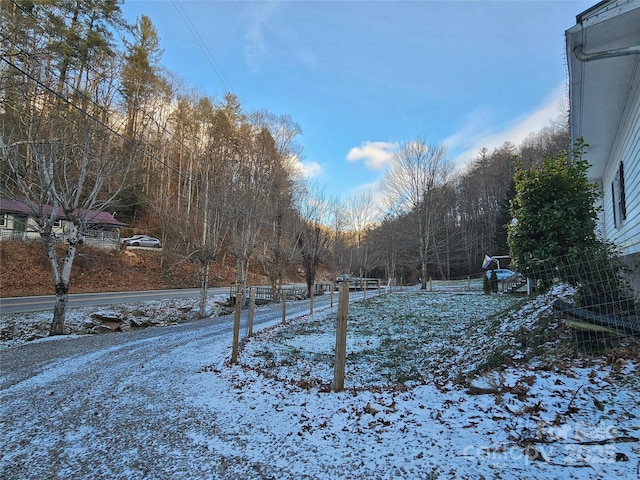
91 120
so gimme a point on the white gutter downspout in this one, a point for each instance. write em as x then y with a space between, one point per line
618 52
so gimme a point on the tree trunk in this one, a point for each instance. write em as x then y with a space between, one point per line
61 277
204 284
310 274
423 263
60 309
241 268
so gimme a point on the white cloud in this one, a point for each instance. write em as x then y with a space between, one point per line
311 169
474 136
473 131
305 169
375 155
267 36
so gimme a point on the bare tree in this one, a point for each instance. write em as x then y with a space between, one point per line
281 231
215 191
337 223
443 240
315 237
480 193
253 180
60 171
60 154
204 219
283 130
281 245
394 244
546 142
361 214
418 169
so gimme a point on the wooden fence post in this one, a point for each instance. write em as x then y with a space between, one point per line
341 339
252 311
236 326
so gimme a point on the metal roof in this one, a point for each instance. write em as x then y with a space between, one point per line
94 217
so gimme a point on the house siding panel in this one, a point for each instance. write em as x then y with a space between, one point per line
101 227
627 150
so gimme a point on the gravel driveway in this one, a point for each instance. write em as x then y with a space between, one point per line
116 405
113 400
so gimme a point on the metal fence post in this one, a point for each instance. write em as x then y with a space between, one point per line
284 306
252 310
236 326
341 340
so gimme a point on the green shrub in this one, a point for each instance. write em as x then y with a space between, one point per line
554 211
553 235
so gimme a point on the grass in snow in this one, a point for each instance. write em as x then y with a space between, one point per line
403 338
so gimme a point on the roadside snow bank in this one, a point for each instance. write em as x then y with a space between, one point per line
19 328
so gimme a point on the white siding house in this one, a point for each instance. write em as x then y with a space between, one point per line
603 55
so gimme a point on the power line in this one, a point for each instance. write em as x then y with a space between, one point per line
138 145
203 46
134 144
100 107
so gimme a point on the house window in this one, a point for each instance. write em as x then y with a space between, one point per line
618 199
613 204
57 223
3 219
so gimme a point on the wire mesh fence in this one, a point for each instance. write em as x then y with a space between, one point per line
604 311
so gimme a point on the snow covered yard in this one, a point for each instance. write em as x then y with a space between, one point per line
428 395
438 385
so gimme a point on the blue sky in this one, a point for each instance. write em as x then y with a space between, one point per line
360 77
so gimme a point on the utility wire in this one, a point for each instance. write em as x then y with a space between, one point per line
203 46
136 145
102 108
82 94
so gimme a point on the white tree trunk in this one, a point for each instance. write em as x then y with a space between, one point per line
61 277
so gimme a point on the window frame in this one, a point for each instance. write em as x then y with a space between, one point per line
619 200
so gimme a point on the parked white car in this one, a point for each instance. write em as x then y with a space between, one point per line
141 241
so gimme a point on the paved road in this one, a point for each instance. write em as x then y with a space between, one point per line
19 363
35 304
